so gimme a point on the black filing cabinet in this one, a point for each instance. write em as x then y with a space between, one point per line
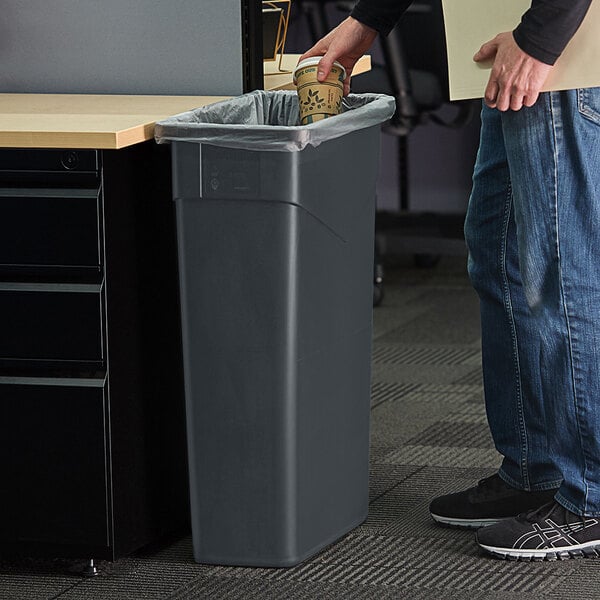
92 424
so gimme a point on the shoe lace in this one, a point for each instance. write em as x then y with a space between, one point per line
541 513
489 486
561 514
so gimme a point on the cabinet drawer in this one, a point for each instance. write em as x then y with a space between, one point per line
51 322
52 227
27 160
55 476
69 168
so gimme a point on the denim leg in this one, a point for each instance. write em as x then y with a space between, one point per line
553 152
510 336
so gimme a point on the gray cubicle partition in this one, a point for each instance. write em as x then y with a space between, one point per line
168 47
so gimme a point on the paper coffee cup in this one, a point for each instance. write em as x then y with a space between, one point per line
318 100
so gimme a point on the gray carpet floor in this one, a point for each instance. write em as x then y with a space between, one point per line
429 437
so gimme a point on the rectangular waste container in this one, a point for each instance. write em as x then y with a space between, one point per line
275 226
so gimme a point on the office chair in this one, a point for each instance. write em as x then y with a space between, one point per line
414 70
316 16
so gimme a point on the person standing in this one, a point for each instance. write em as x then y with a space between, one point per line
533 234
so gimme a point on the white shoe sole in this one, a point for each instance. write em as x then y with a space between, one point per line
587 550
464 523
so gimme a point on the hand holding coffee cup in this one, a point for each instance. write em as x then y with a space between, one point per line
318 100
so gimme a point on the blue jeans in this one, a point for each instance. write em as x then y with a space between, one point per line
533 233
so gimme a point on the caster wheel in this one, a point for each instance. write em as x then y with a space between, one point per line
377 284
377 294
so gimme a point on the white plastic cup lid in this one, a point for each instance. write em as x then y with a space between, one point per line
314 60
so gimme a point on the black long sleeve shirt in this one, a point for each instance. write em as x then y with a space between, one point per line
543 33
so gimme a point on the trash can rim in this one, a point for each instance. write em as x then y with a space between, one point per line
363 111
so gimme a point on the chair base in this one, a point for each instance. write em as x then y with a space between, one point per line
420 234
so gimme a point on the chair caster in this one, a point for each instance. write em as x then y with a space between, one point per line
377 294
378 285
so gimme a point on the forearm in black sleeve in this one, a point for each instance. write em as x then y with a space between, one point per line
381 15
547 27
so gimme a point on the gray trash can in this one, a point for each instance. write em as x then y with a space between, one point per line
275 226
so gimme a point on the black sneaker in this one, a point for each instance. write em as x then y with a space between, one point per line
485 504
549 533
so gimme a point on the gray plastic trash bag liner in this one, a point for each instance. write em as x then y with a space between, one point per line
270 121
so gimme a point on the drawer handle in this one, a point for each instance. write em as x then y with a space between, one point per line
54 381
48 193
77 288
